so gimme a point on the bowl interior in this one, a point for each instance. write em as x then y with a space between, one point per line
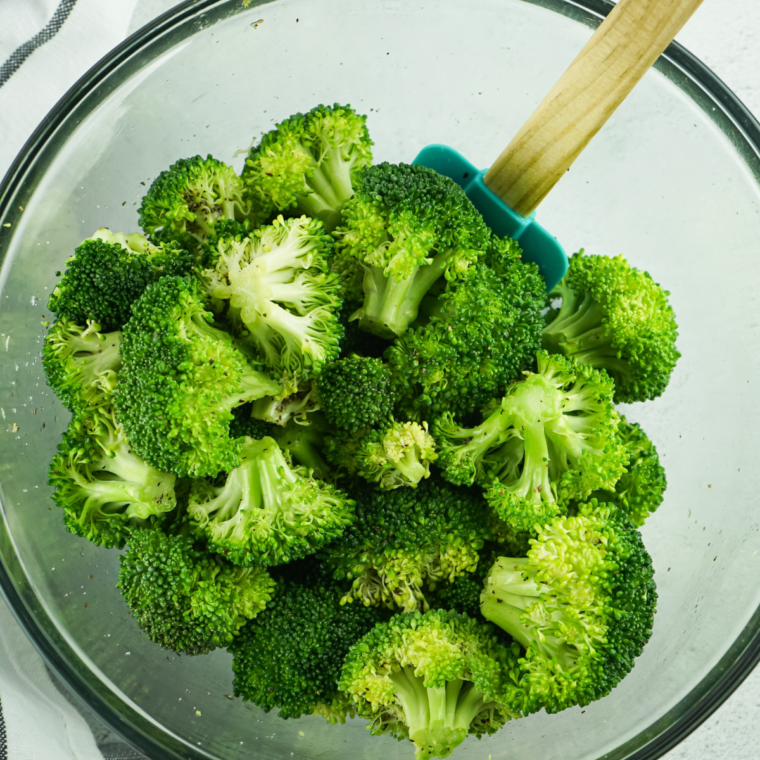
670 182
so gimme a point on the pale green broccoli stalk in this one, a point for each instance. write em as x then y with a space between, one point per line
180 381
396 456
553 438
432 678
104 488
615 317
581 603
409 226
186 201
295 407
268 511
282 297
308 163
81 363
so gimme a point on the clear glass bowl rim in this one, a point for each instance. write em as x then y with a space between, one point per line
736 664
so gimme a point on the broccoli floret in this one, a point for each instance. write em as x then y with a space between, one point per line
268 511
184 598
404 542
583 620
104 488
396 455
356 392
305 443
409 226
308 163
615 317
290 657
109 272
296 407
186 201
432 678
483 331
281 295
341 449
180 381
553 438
81 363
641 487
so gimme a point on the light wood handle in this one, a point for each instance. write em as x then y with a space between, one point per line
621 51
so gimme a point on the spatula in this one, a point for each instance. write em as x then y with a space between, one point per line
618 55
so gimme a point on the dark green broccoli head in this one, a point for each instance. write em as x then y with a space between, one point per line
553 438
268 511
615 317
109 272
186 201
290 657
104 488
185 598
484 331
308 163
356 392
582 621
180 381
432 678
81 363
409 226
404 542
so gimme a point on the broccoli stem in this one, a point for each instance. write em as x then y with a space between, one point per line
331 187
411 467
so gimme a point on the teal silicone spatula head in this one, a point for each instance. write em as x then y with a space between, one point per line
619 53
539 246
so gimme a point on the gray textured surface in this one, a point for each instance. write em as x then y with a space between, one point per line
725 35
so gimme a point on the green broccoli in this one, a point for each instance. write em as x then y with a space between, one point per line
432 678
641 487
409 226
180 381
296 407
104 488
355 340
268 511
290 657
404 542
81 363
615 317
282 298
581 603
186 201
396 455
305 444
356 392
109 272
243 425
308 163
482 332
184 598
552 438
340 450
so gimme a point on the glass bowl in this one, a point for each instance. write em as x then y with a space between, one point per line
671 182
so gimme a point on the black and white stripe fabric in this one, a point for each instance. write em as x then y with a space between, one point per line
22 52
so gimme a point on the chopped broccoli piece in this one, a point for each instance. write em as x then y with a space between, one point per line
482 333
81 363
356 392
291 656
180 381
104 488
184 598
308 163
553 438
615 317
432 678
396 455
409 226
404 542
281 295
109 272
582 620
186 201
268 511
295 407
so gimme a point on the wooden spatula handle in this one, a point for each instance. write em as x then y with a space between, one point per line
622 49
